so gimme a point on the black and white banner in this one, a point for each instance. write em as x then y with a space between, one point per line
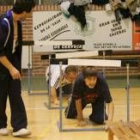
103 32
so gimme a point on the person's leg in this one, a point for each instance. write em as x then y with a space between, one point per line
98 114
18 113
3 99
71 111
67 89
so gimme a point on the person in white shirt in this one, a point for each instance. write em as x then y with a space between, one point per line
69 75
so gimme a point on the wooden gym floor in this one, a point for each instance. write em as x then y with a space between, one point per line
43 122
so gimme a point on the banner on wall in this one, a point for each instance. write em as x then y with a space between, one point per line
102 32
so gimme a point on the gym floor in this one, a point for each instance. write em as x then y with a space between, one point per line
43 122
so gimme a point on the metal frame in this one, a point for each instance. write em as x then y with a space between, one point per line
60 124
60 42
127 94
48 105
29 70
94 53
40 43
29 73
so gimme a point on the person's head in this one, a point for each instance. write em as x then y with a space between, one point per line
90 76
22 8
71 73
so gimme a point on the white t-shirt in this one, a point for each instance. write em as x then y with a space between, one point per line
55 74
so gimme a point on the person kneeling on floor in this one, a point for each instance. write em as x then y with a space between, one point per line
69 74
90 87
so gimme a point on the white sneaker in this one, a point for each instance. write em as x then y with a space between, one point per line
21 133
4 131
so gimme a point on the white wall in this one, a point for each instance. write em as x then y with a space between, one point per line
26 58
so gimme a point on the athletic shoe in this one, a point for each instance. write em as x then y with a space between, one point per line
4 131
21 133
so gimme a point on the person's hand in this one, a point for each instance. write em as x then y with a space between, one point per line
82 123
56 102
107 123
15 73
114 2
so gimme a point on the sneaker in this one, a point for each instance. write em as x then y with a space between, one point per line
4 131
21 133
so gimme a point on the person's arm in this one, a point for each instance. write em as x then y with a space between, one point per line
54 98
110 110
3 59
54 73
12 70
80 117
108 99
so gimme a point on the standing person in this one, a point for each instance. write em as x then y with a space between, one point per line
10 67
69 75
90 87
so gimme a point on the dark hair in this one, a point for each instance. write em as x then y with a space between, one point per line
71 69
89 71
21 6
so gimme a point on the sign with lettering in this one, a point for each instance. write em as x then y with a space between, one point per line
103 32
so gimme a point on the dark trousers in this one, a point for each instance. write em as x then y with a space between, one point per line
66 90
12 89
97 115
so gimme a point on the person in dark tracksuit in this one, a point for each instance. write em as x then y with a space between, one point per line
90 87
10 67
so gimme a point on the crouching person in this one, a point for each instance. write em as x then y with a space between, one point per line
90 87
